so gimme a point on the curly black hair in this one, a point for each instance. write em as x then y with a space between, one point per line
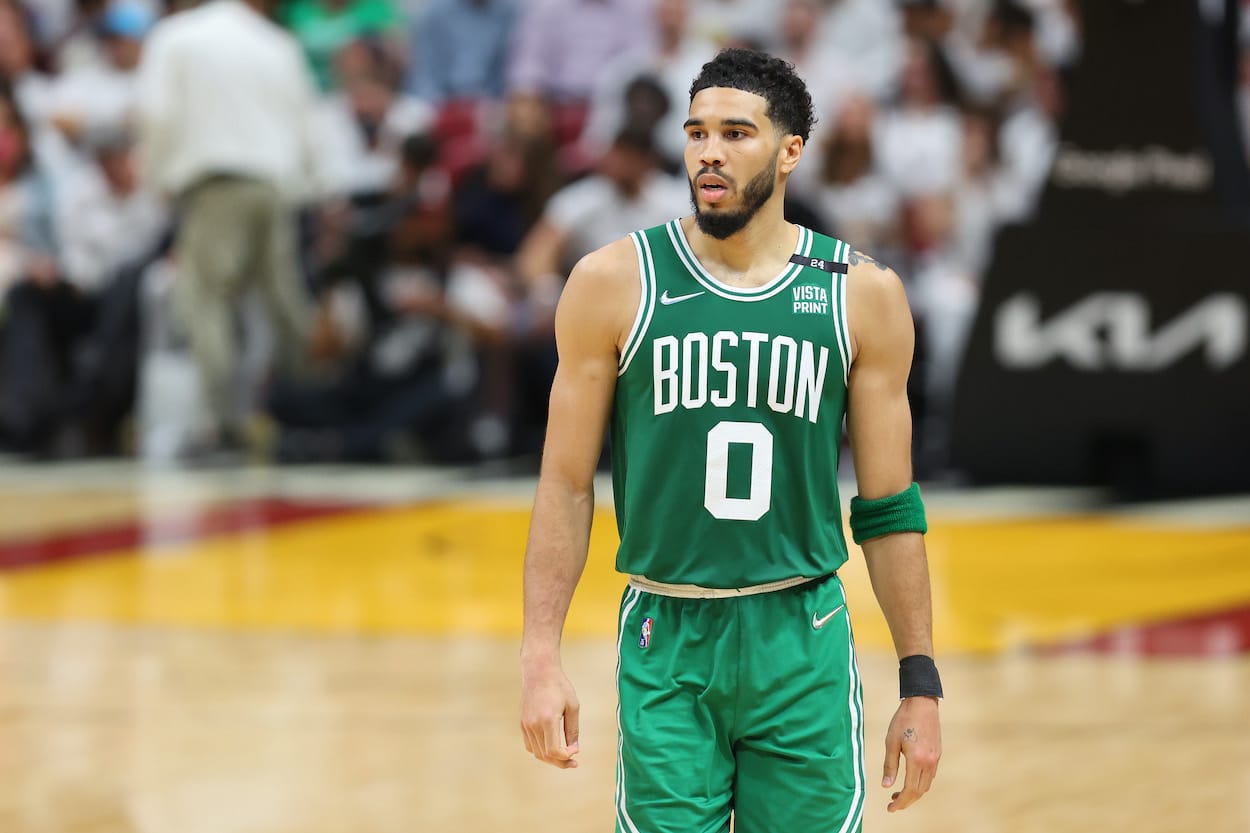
789 102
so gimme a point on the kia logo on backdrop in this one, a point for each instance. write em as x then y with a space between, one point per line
1112 343
1114 331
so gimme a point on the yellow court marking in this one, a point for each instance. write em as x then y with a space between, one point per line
1009 583
456 568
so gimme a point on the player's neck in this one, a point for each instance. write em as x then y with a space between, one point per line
756 249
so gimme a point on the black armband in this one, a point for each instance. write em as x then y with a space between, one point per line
918 677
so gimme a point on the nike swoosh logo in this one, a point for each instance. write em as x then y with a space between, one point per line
667 299
820 623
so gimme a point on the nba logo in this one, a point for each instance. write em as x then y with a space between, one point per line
644 638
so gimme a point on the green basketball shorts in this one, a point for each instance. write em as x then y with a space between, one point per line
749 704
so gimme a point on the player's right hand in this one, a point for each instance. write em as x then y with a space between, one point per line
549 715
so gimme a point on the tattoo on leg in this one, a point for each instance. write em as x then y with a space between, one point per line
857 258
909 734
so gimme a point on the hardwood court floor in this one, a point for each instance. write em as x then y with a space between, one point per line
355 670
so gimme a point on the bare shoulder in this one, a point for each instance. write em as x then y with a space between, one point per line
872 279
615 263
876 301
603 291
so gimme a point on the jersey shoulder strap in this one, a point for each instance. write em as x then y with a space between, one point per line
832 256
828 254
644 242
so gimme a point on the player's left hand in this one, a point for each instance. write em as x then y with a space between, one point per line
915 733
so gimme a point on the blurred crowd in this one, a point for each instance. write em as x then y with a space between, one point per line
337 229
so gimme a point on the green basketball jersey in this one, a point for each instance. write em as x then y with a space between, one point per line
727 421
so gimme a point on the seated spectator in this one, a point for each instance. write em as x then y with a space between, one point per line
853 194
628 192
358 240
324 27
919 141
404 382
363 126
500 200
100 97
973 45
996 49
493 210
71 338
111 230
460 50
644 106
40 310
109 221
1011 28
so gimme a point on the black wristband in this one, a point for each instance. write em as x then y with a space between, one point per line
918 677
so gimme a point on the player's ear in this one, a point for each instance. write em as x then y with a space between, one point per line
789 153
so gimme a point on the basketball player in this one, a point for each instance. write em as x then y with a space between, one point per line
726 348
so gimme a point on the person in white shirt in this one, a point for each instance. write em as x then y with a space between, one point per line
108 221
919 142
364 124
111 230
226 127
99 97
853 194
105 226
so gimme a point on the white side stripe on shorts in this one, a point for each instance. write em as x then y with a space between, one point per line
622 812
856 704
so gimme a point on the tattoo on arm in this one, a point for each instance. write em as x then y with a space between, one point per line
857 258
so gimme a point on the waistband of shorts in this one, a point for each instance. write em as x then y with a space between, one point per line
695 591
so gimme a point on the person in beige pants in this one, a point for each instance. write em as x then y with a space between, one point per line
225 105
236 233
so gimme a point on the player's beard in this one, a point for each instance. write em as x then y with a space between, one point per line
722 224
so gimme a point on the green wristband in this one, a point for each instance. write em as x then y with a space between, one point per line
903 512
